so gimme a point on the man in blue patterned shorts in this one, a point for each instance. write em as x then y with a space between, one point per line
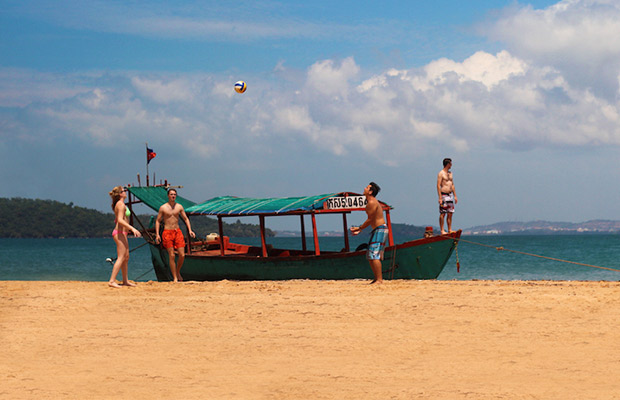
379 230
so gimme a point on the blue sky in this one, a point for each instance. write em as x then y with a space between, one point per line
522 95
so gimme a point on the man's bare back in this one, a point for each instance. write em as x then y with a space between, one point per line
374 212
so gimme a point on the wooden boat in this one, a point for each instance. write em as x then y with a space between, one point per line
220 259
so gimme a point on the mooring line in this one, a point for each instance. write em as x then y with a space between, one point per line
146 272
500 248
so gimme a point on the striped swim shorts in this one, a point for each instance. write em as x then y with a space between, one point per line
376 245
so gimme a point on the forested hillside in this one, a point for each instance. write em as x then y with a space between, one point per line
33 218
410 231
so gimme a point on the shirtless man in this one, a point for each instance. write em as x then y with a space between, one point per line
447 195
173 236
379 231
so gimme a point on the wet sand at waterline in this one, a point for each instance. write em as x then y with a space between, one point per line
310 340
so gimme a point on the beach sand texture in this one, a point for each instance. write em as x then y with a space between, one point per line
310 340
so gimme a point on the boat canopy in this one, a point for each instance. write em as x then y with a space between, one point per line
155 196
237 206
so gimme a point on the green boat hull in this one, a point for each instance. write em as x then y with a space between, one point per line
417 259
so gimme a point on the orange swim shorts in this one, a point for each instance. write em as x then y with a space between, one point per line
172 238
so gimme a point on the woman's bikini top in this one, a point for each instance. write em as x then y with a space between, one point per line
127 214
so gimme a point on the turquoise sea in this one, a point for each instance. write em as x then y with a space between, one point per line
84 259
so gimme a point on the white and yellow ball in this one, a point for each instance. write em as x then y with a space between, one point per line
240 87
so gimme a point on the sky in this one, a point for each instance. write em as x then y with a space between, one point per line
522 95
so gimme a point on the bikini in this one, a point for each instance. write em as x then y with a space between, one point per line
115 232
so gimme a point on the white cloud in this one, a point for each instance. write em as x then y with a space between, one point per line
21 87
177 90
294 118
487 100
481 67
576 37
330 79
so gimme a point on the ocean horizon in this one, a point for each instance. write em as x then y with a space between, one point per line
494 257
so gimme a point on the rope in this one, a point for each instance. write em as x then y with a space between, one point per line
143 228
146 272
111 260
458 263
393 263
500 248
393 266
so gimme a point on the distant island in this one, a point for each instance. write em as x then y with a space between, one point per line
34 218
545 228
399 230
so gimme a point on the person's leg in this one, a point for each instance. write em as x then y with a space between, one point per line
181 251
375 265
121 253
124 267
441 219
173 266
449 222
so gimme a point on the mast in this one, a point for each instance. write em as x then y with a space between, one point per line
146 145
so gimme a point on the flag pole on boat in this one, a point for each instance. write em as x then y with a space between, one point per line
147 163
150 154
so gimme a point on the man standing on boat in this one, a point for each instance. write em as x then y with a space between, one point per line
379 230
447 195
172 235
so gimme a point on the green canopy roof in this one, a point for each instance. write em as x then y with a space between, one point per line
229 205
155 196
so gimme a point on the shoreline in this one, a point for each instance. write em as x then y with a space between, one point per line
310 339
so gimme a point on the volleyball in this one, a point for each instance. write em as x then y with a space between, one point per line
240 87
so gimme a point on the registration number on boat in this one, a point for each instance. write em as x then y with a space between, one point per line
344 202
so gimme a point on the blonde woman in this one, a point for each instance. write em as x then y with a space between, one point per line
119 234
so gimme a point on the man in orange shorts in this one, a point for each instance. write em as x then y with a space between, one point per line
172 236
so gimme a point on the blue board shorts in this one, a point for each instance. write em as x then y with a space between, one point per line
376 245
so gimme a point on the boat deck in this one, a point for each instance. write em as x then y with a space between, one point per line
212 248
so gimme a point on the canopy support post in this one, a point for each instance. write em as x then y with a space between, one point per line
315 235
389 224
303 233
188 245
346 233
220 227
262 234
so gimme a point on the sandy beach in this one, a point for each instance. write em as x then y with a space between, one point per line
310 340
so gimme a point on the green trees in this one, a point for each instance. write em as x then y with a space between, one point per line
203 225
28 218
33 218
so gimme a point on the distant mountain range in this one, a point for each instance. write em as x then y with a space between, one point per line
545 228
598 226
400 230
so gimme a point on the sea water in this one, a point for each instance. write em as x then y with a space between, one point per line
480 257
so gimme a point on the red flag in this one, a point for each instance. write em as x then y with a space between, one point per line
150 154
